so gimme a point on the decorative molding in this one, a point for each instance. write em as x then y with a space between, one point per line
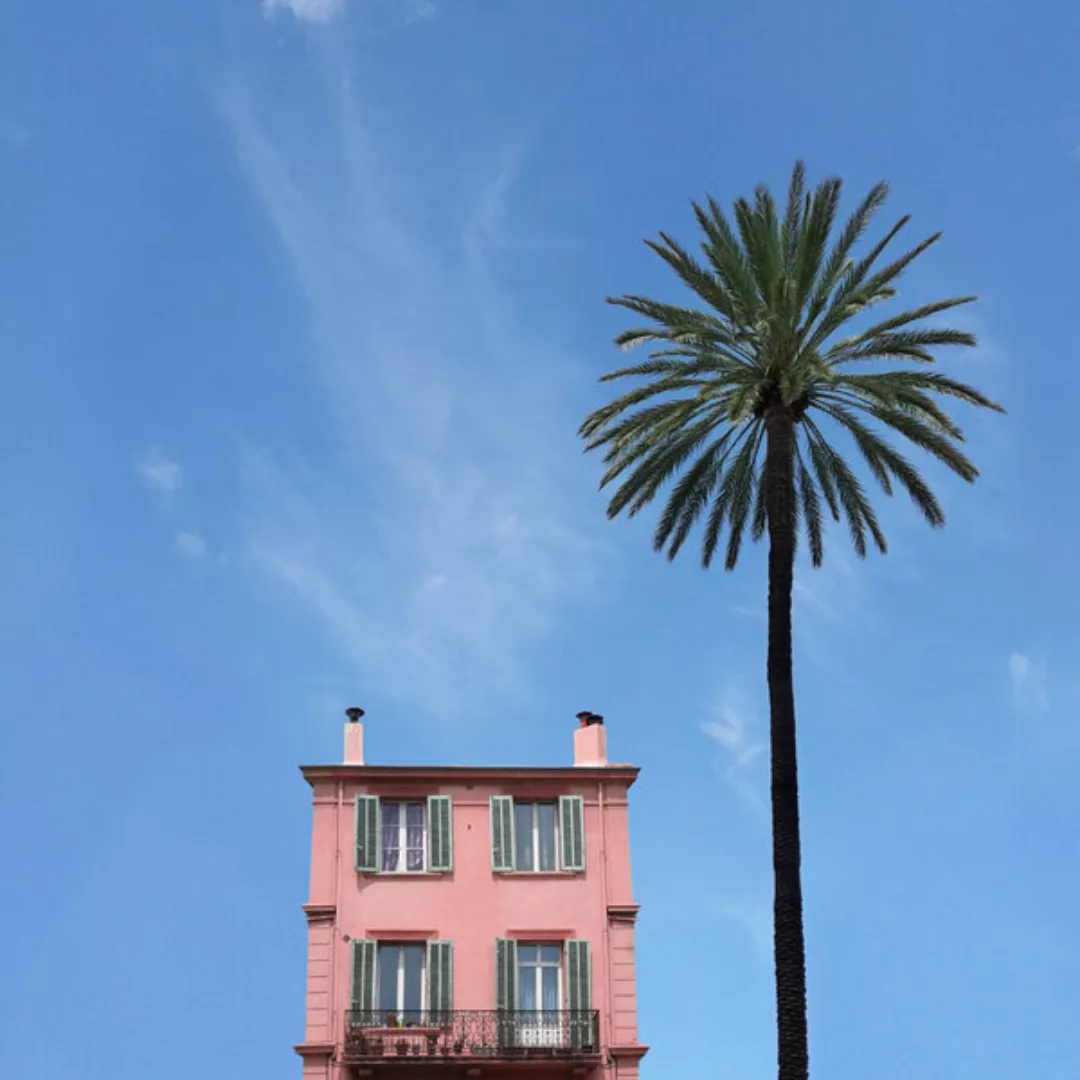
629 1051
317 913
547 934
314 1050
424 775
623 913
402 935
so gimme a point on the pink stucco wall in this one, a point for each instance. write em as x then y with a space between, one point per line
472 905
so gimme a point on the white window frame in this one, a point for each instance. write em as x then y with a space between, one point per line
399 1007
534 805
538 966
540 1032
403 835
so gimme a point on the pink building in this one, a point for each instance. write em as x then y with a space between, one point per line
471 921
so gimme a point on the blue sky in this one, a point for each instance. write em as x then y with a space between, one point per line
301 305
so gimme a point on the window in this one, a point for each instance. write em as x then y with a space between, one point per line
537 836
403 837
400 983
534 836
539 978
535 1006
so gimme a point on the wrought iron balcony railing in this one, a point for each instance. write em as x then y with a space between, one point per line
470 1034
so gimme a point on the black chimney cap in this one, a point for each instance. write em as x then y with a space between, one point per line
354 714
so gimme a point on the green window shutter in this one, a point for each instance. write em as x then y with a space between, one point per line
363 975
572 830
367 833
440 981
502 833
579 995
440 833
505 975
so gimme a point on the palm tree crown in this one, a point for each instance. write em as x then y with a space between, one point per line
769 341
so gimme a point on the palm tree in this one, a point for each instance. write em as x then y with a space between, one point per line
736 405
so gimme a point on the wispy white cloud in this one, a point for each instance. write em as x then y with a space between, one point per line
159 471
1029 679
191 545
318 11
737 731
753 918
419 11
444 539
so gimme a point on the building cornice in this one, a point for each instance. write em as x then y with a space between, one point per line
320 912
458 773
306 1050
623 913
628 1051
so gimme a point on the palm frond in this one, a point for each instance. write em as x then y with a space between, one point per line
622 456
892 384
822 471
742 474
678 325
793 217
652 463
858 512
595 427
811 510
909 344
916 315
814 239
691 494
837 262
759 251
883 460
927 438
693 274
919 404
838 304
728 260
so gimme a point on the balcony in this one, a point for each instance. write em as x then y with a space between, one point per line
471 1036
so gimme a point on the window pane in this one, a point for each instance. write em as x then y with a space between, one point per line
526 954
546 812
523 828
526 988
414 836
414 963
391 836
549 993
551 954
388 972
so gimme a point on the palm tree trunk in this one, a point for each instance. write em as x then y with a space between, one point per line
788 944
